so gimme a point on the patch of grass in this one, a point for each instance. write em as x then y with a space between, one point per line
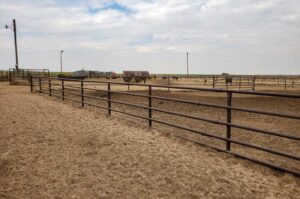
59 73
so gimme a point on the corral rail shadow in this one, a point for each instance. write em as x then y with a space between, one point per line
60 87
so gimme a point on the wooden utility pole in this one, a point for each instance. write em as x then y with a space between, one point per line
14 28
16 47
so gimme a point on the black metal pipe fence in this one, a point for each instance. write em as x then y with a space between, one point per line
59 87
240 82
4 75
21 76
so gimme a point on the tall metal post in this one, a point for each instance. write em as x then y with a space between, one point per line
10 77
168 83
284 83
82 96
253 83
109 98
49 85
228 128
63 89
40 84
31 84
61 52
150 106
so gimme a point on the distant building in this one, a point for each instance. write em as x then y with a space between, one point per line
80 73
94 74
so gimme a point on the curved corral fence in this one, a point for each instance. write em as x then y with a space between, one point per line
4 75
247 124
22 76
237 82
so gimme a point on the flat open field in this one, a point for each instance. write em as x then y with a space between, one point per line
53 149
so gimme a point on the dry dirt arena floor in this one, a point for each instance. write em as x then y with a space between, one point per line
53 149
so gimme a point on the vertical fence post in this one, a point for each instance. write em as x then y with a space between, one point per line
168 83
228 129
253 84
40 84
31 84
109 98
82 96
240 82
284 83
10 77
49 85
150 106
213 82
63 89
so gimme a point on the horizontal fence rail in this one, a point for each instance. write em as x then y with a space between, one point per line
230 81
59 87
4 75
21 76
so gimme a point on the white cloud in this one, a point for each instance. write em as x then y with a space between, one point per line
245 36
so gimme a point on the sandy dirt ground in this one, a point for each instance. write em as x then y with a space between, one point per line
264 122
53 149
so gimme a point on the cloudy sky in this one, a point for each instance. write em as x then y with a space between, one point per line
235 36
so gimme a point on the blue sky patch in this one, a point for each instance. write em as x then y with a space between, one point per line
110 6
141 40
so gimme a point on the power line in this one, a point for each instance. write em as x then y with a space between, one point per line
27 43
